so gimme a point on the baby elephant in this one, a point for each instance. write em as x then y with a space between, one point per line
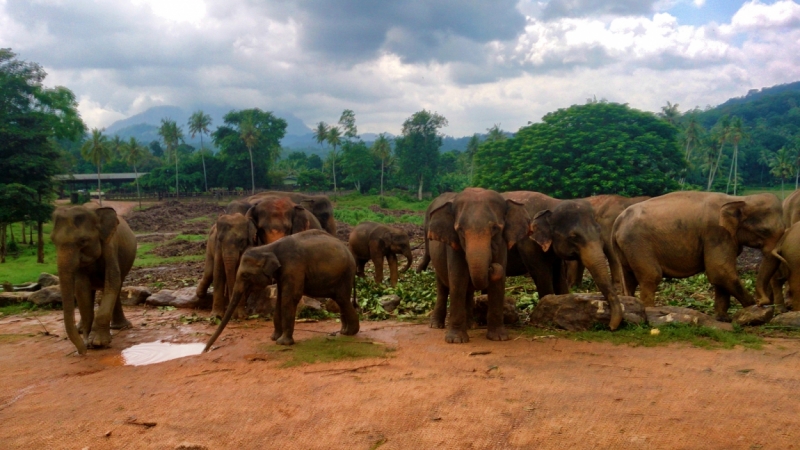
374 241
311 263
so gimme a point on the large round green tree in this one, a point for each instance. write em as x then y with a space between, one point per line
584 150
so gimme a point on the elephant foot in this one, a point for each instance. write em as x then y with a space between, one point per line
217 313
349 330
723 318
123 324
497 334
275 335
100 338
456 337
780 309
285 340
437 321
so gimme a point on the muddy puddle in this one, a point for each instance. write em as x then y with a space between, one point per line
153 352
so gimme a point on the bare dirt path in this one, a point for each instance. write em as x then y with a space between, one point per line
546 393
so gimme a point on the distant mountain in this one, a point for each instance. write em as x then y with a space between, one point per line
772 104
144 126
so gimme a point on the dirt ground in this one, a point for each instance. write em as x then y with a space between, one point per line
544 393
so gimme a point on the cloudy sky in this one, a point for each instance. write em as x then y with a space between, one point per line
478 63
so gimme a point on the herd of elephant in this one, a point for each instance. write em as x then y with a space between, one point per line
474 239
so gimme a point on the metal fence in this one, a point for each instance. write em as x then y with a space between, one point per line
213 196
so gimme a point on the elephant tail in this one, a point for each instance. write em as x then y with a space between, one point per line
778 255
355 296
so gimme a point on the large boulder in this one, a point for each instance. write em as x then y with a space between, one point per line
47 296
388 302
47 279
580 312
12 298
133 295
179 298
789 319
481 309
662 315
754 315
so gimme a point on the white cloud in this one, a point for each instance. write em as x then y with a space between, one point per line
755 15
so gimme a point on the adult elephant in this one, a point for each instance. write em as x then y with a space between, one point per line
787 252
375 241
772 263
95 251
606 209
435 204
319 205
276 217
469 236
682 234
229 237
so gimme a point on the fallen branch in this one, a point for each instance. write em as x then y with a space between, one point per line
341 371
790 354
133 421
484 352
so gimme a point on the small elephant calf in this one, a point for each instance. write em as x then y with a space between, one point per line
374 241
311 263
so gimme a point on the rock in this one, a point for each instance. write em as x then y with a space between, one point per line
46 296
309 302
12 298
662 315
389 302
481 308
190 446
754 315
28 287
133 295
331 306
262 303
580 312
179 298
789 319
47 279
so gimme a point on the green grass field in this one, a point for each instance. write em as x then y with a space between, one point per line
22 268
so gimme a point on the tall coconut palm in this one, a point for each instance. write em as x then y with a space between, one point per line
172 135
382 149
250 135
670 113
96 150
721 134
198 124
133 152
782 165
691 135
334 138
736 134
495 134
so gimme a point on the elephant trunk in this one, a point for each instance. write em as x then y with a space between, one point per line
594 259
769 266
409 259
239 291
67 264
478 250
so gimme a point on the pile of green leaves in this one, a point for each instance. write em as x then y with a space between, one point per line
417 292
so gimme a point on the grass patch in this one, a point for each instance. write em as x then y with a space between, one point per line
387 202
211 217
146 258
636 335
191 237
21 266
326 349
9 338
354 216
17 308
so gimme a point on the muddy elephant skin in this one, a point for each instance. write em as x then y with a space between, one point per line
371 241
276 217
230 236
311 263
319 205
95 251
469 237
682 234
606 209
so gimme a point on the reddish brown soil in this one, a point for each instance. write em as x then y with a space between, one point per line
549 393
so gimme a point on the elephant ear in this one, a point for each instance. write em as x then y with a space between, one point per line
542 232
730 215
270 265
252 232
518 223
442 226
377 247
300 221
107 222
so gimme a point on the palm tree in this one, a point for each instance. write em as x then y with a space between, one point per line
670 113
172 135
133 152
250 135
721 137
736 134
321 133
198 124
334 139
96 150
382 149
782 165
691 134
495 134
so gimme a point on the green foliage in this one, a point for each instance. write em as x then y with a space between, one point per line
417 292
584 150
359 166
702 337
23 268
326 349
354 216
312 180
17 308
417 150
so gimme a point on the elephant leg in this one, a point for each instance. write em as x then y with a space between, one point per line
728 280
277 316
496 297
776 292
208 276
360 264
349 316
470 307
101 328
220 302
289 299
629 283
458 275
439 312
649 277
377 261
84 297
392 259
560 284
118 320
722 301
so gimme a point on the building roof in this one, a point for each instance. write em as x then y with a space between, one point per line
103 176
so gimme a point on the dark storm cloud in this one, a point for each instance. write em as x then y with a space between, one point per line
416 30
556 9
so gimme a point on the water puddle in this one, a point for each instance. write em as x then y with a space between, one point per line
156 352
